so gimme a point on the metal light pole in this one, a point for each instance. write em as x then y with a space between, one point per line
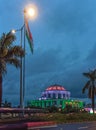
21 80
30 12
21 69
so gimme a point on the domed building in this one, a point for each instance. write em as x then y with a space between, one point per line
55 95
55 92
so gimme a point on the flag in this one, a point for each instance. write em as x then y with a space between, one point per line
28 35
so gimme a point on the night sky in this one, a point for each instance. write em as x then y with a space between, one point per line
64 35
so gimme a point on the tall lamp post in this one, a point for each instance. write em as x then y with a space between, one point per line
21 68
30 12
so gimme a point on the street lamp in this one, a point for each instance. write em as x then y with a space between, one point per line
21 73
30 12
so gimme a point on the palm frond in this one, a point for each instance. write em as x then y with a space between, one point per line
7 39
3 52
8 52
94 74
16 51
86 86
14 61
86 75
2 66
91 75
2 39
90 92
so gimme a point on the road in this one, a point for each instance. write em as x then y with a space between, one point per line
73 126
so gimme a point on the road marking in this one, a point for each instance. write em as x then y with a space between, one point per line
85 127
42 127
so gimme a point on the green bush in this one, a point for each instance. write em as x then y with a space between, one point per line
52 109
70 109
71 117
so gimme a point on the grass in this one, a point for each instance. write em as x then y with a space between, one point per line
66 118
55 117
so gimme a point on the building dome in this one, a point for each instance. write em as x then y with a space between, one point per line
55 92
55 87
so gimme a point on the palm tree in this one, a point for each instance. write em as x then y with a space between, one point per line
90 85
9 54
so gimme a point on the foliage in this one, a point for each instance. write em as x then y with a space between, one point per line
52 109
64 118
9 54
6 104
70 109
90 85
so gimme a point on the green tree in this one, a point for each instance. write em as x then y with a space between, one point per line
9 54
90 85
6 104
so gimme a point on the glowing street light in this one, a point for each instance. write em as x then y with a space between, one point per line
13 31
30 12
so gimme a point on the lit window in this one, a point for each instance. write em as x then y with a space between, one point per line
54 95
64 95
49 95
59 95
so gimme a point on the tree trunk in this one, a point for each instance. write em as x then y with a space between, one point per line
93 89
0 89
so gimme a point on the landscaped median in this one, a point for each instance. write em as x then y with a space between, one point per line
69 118
44 119
25 126
64 118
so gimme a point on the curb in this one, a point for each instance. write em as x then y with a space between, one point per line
25 126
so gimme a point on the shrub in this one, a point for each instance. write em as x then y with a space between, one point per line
52 109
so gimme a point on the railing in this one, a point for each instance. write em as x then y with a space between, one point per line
17 112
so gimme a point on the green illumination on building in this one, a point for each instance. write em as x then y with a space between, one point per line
55 95
55 102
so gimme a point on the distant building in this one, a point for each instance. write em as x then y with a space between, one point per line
55 95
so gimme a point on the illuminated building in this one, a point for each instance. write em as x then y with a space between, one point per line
55 95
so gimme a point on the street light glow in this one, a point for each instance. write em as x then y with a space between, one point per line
30 11
13 31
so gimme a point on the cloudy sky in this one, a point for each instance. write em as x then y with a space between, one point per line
64 35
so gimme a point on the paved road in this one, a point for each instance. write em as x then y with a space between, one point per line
73 126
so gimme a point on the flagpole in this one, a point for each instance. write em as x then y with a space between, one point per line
28 12
24 69
21 67
21 87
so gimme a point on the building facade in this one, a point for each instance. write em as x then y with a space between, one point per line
55 95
